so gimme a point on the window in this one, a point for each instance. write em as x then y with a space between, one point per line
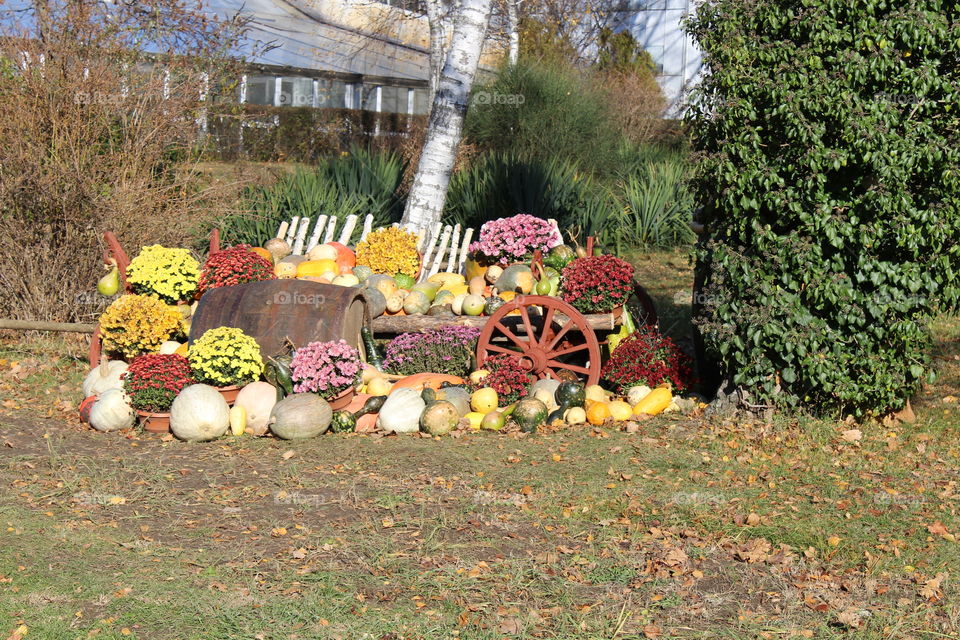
260 89
296 92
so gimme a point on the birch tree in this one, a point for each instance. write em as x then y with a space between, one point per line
445 126
513 31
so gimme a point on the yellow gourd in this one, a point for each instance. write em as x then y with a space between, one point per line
597 413
317 268
620 410
285 270
484 400
654 402
238 420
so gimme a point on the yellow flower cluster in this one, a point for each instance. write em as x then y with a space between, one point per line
390 250
133 325
169 274
225 356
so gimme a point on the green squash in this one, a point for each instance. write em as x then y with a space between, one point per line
276 371
372 405
571 394
416 304
559 257
493 303
516 277
530 413
343 422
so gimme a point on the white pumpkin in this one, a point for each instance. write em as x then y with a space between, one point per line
401 412
302 415
112 411
322 252
636 394
544 391
169 347
199 413
258 399
108 375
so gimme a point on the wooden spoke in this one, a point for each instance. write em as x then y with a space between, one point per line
569 350
531 336
569 367
547 331
523 344
497 349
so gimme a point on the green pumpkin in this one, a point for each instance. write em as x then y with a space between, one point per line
493 303
570 394
343 422
530 413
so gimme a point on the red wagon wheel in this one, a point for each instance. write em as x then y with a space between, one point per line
551 338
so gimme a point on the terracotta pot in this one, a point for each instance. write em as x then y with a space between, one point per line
230 393
154 422
617 313
343 400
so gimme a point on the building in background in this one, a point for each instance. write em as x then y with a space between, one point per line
657 25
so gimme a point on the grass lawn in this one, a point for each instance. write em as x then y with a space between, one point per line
681 528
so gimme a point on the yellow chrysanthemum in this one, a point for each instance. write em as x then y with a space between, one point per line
390 250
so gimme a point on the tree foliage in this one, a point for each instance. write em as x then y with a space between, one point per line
828 173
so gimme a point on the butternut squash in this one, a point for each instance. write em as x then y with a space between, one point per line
654 402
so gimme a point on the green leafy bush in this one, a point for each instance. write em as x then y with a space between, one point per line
356 183
828 134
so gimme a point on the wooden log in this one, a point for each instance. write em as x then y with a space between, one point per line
282 231
464 250
454 248
438 257
331 228
301 236
317 232
33 325
402 324
292 230
367 227
348 226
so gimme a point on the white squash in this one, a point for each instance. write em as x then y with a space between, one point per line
258 399
170 346
302 415
544 390
112 411
636 394
401 412
199 413
108 375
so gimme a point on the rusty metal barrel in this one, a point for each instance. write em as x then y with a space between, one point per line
276 311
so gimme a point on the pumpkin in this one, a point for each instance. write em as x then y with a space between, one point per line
376 302
285 270
597 413
620 410
484 400
362 272
530 413
416 303
238 420
317 269
383 283
107 375
322 252
257 399
199 413
458 397
169 347
477 285
439 418
401 412
263 253
517 277
278 248
654 402
636 394
418 381
301 415
493 421
342 422
112 411
346 259
575 415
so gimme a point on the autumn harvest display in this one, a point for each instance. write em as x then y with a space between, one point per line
502 346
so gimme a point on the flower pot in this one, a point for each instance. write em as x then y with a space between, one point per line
343 400
617 313
154 422
230 393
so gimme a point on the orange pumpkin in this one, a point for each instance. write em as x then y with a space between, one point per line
598 413
263 253
346 258
419 381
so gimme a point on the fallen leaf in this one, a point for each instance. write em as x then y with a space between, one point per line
278 532
651 631
852 435
931 588
850 618
510 626
288 454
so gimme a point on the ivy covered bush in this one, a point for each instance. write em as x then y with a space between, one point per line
828 135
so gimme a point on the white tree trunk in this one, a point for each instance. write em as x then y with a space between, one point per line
445 127
513 31
438 35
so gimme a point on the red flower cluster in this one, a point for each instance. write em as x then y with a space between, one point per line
236 265
507 378
647 357
153 380
597 284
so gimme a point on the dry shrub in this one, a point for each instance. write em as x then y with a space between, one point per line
636 104
98 135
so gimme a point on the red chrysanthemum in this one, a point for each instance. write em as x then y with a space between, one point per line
647 357
236 265
597 284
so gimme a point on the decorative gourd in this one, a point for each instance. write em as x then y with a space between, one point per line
317 268
620 410
372 405
456 289
426 288
302 415
346 280
530 413
493 303
404 281
257 398
517 277
445 279
598 413
376 302
493 421
477 285
546 392
322 252
417 303
238 420
571 394
458 397
383 283
378 387
394 302
473 305
278 248
370 348
112 411
654 402
362 272
575 415
401 412
418 381
440 311
444 297
493 272
475 420
429 395
346 258
285 270
457 304
342 422
439 418
169 347
107 375
276 371
636 394
484 400
199 413
596 393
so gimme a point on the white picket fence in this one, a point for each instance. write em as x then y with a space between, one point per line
444 248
